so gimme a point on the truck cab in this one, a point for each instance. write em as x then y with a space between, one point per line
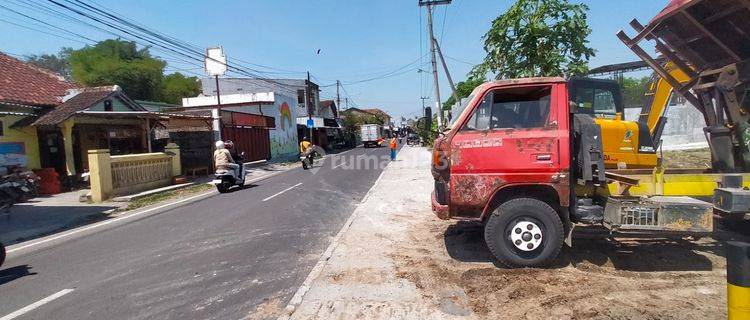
512 140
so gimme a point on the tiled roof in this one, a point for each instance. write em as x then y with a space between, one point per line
376 111
325 103
21 82
87 98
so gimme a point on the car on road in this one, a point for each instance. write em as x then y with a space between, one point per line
412 139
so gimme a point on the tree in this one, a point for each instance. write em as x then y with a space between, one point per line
537 38
177 86
119 62
463 90
634 91
57 63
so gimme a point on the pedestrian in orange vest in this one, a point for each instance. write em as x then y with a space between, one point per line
393 145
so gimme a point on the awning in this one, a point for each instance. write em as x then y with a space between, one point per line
329 123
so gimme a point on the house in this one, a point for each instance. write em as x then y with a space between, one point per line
260 124
308 105
26 93
380 114
95 118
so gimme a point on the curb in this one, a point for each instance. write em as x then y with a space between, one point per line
296 300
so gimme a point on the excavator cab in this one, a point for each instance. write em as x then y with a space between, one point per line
626 144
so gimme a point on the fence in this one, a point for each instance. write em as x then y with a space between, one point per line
120 175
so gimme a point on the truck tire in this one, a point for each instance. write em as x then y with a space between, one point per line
524 232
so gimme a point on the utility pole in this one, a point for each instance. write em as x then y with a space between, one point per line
423 99
346 100
338 98
429 4
308 104
447 73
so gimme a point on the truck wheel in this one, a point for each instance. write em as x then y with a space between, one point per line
524 232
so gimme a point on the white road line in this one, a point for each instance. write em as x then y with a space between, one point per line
103 223
35 305
343 163
280 192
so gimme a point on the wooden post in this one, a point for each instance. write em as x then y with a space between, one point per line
100 169
173 150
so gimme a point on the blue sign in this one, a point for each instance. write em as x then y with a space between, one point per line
310 123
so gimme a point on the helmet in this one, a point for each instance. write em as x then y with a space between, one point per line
305 138
219 144
229 144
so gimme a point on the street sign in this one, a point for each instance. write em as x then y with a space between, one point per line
216 61
310 123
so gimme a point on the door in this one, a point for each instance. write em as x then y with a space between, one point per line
514 136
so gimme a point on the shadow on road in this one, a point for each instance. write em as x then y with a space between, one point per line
30 221
465 242
13 273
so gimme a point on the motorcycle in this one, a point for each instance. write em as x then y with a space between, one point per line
225 179
307 160
18 186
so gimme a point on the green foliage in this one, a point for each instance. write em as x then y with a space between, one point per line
177 86
119 62
57 63
463 90
537 38
634 90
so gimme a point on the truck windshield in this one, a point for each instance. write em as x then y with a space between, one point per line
509 108
459 108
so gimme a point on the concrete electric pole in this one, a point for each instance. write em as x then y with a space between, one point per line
429 4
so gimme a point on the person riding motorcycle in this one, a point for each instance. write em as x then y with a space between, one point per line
306 150
223 159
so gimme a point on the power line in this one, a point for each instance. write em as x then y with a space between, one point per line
40 31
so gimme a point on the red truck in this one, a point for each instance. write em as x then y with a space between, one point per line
504 161
519 160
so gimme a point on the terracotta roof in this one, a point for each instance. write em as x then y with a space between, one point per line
21 82
81 101
325 103
376 111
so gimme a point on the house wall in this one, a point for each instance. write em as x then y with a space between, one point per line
284 142
117 105
19 146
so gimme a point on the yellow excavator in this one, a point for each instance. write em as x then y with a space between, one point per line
626 144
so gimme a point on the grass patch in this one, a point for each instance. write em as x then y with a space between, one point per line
168 195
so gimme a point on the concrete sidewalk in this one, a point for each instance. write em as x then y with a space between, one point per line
360 279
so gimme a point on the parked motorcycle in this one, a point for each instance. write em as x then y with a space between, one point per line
18 186
225 179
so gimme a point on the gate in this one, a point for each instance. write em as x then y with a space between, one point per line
255 142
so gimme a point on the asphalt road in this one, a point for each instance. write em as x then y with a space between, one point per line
218 257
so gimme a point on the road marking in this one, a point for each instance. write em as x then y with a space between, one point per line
343 163
280 192
35 305
103 223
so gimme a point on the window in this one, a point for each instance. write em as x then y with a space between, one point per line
514 108
301 97
480 120
107 105
596 101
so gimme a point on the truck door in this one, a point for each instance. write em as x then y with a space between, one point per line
514 136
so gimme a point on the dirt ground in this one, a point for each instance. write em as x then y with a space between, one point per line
700 158
595 279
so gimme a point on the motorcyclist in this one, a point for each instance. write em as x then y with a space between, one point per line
223 159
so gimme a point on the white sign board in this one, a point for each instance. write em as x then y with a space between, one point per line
216 61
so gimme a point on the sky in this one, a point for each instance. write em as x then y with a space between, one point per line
375 48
